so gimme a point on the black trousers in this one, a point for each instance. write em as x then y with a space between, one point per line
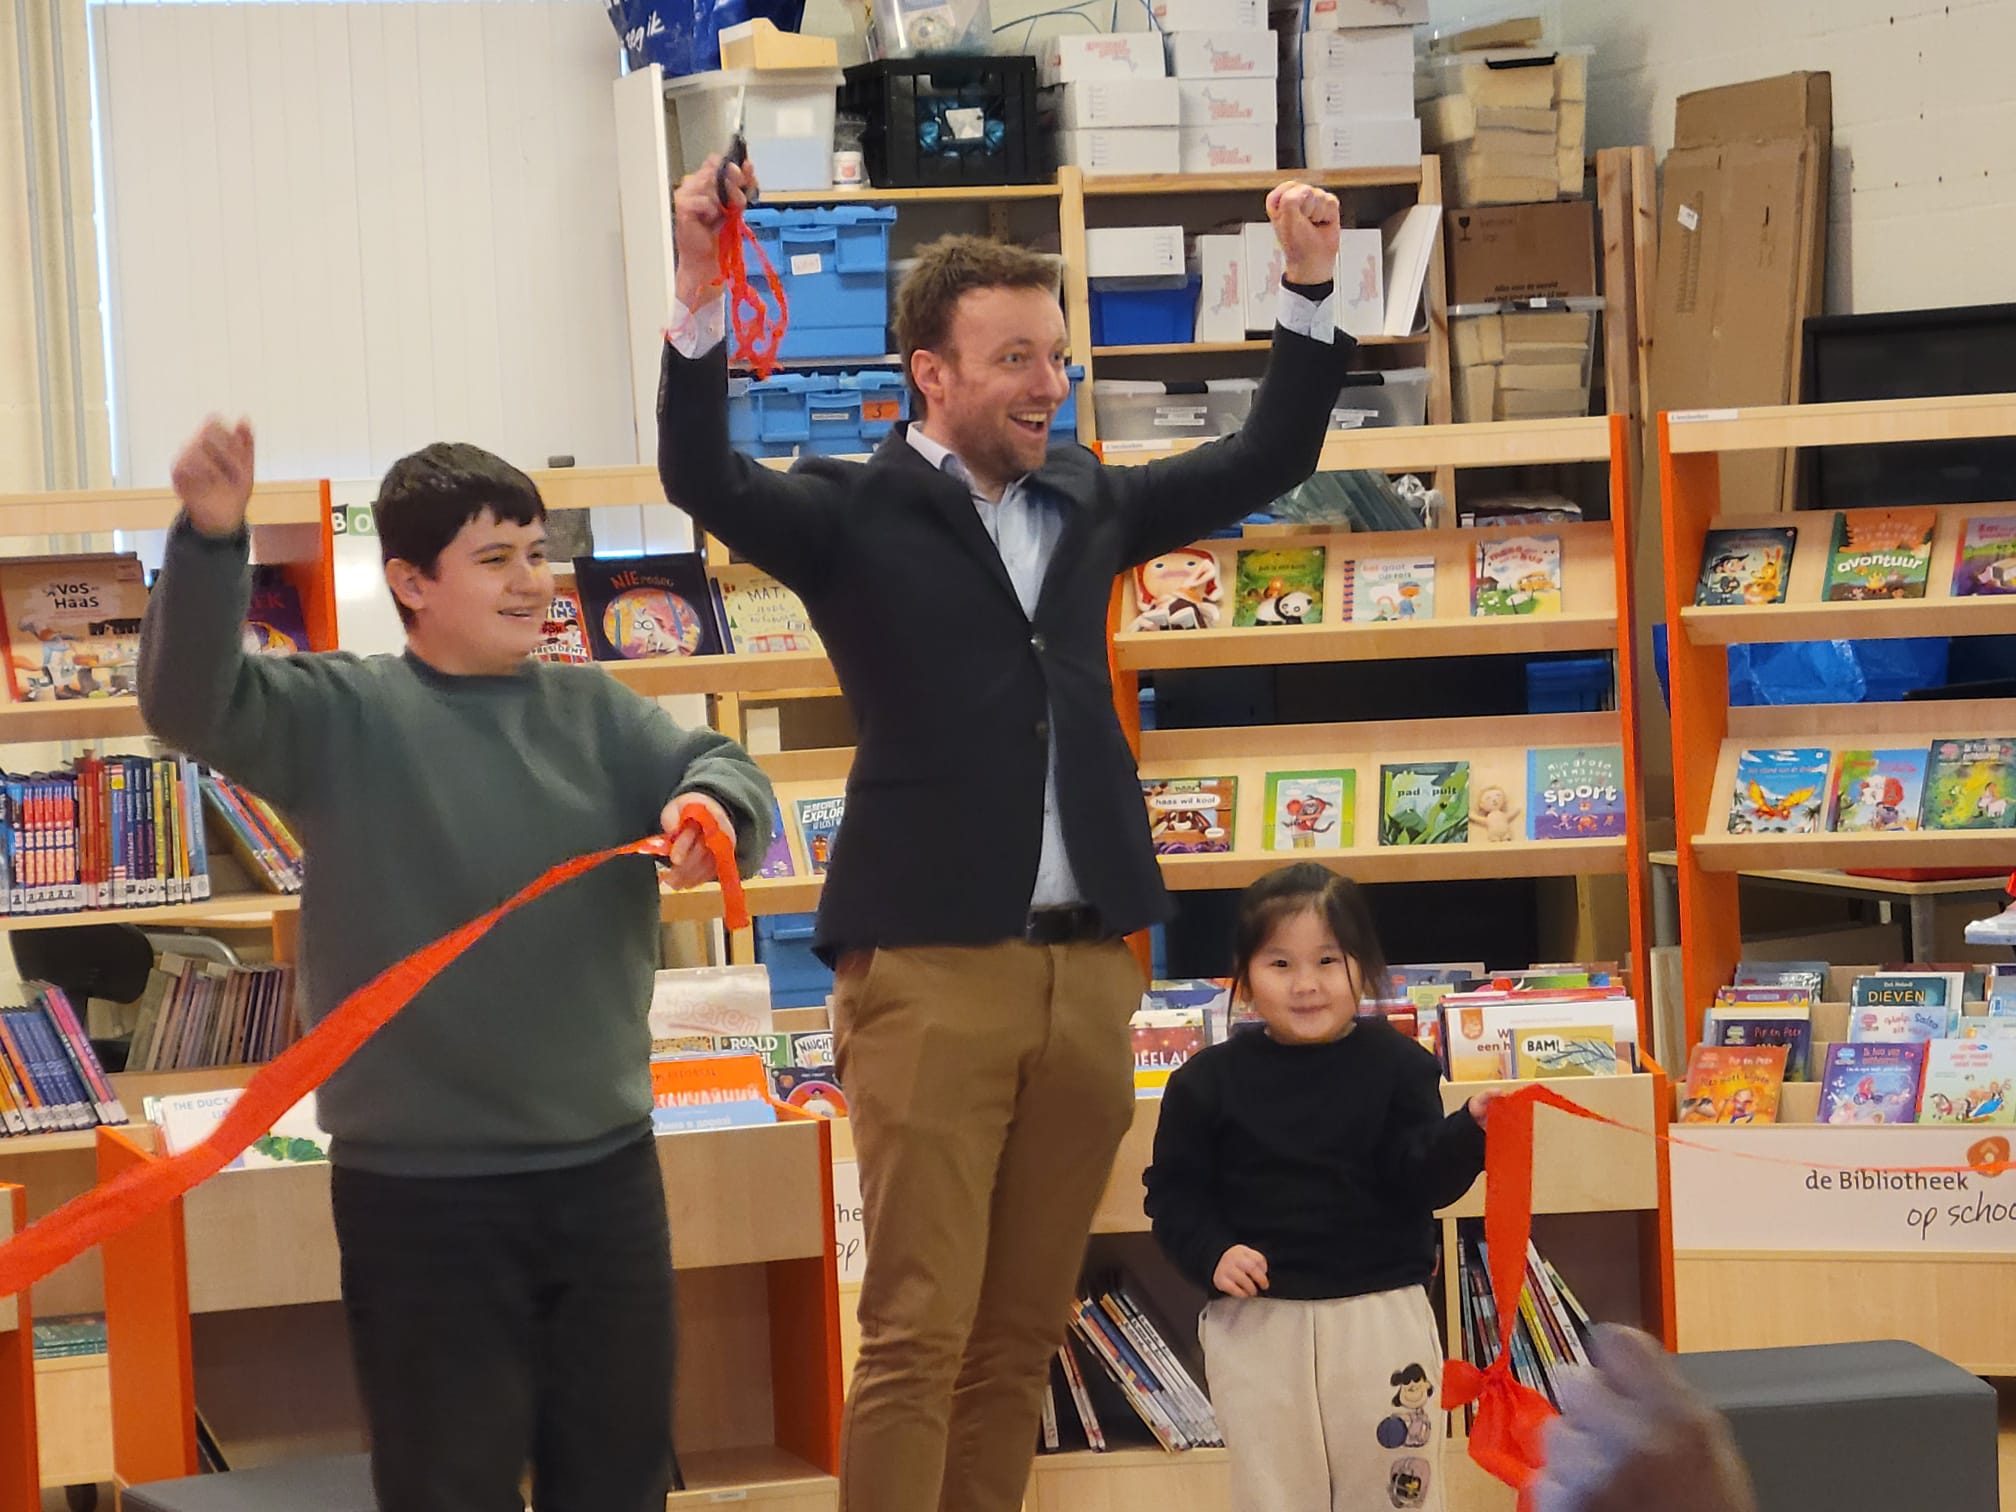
506 1321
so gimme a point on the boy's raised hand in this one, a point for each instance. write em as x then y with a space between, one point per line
1306 225
696 221
213 477
1242 1272
691 863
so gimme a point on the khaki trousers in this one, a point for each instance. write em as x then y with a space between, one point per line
988 1088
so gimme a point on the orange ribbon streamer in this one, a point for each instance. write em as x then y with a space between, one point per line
108 1208
757 337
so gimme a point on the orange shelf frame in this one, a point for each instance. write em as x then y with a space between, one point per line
20 1457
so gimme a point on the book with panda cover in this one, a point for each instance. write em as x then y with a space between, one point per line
1279 586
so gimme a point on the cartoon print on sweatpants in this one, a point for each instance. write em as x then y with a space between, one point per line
1407 1486
1410 1427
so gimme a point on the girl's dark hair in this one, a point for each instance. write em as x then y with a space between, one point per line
1413 1375
1304 888
429 496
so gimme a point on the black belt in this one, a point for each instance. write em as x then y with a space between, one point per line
1065 926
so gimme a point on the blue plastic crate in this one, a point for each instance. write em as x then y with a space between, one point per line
833 417
1143 312
885 399
798 978
1064 424
834 267
1572 686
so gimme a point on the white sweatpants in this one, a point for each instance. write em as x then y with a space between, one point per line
1328 1406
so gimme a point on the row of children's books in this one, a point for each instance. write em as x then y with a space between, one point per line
1874 554
70 625
668 604
193 1015
1950 785
1551 1336
1913 1051
1572 793
130 832
1117 1374
72 1336
1286 586
50 1076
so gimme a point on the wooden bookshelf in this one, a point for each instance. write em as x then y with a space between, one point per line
772 672
72 719
97 511
245 909
1107 186
952 194
1222 348
1426 448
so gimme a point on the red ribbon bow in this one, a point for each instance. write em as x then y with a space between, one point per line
106 1209
757 337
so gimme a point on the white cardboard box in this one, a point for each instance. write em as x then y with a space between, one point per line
1220 262
1338 15
1228 149
1361 282
1375 50
1134 252
1202 15
1072 56
1357 97
1123 149
1263 276
1223 54
1228 102
1362 144
1097 103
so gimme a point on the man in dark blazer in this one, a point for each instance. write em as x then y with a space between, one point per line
995 850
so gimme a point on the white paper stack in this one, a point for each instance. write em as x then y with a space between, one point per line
1346 81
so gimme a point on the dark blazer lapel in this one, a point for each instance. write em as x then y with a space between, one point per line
1070 474
953 501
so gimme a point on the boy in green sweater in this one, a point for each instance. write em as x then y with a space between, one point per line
506 1262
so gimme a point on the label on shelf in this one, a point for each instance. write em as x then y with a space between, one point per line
850 1236
804 264
1697 416
1690 218
1724 1201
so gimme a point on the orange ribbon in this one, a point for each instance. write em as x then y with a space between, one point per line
757 337
108 1208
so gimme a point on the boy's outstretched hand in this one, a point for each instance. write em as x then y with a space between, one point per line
213 477
691 863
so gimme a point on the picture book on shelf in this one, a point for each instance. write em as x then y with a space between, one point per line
1987 557
1478 1028
1969 1082
1571 1050
274 623
1393 589
1872 1084
1779 791
1178 590
1164 1038
819 829
1812 975
644 606
1729 1084
760 615
1892 1023
186 1119
1877 790
72 625
561 635
1575 793
777 860
1518 575
1971 784
1880 554
1745 567
1190 816
1311 810
1424 803
1281 586
1740 1027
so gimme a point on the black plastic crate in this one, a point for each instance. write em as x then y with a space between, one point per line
909 142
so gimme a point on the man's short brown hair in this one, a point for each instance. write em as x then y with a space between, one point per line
948 268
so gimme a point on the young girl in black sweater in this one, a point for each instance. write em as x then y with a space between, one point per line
1296 1175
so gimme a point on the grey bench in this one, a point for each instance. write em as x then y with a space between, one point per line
339 1484
1880 1427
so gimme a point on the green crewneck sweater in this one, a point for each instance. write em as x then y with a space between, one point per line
423 800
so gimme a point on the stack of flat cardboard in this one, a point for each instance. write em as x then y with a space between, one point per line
1511 124
1522 365
1513 361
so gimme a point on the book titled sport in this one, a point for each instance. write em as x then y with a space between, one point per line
1880 554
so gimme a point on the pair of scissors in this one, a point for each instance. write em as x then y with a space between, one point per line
738 151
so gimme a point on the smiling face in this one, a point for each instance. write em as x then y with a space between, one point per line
994 385
483 607
1302 984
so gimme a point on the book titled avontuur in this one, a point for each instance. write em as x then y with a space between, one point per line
1880 554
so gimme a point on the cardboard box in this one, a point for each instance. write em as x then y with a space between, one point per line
1263 277
1540 404
1223 55
1380 50
1360 96
1228 149
1361 282
1220 262
1131 150
1521 252
1742 244
1204 15
1134 252
1227 102
1544 375
1361 144
1476 394
1450 119
1337 15
1476 340
1071 56
1092 104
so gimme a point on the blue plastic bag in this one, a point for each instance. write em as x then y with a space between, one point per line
684 36
1837 671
